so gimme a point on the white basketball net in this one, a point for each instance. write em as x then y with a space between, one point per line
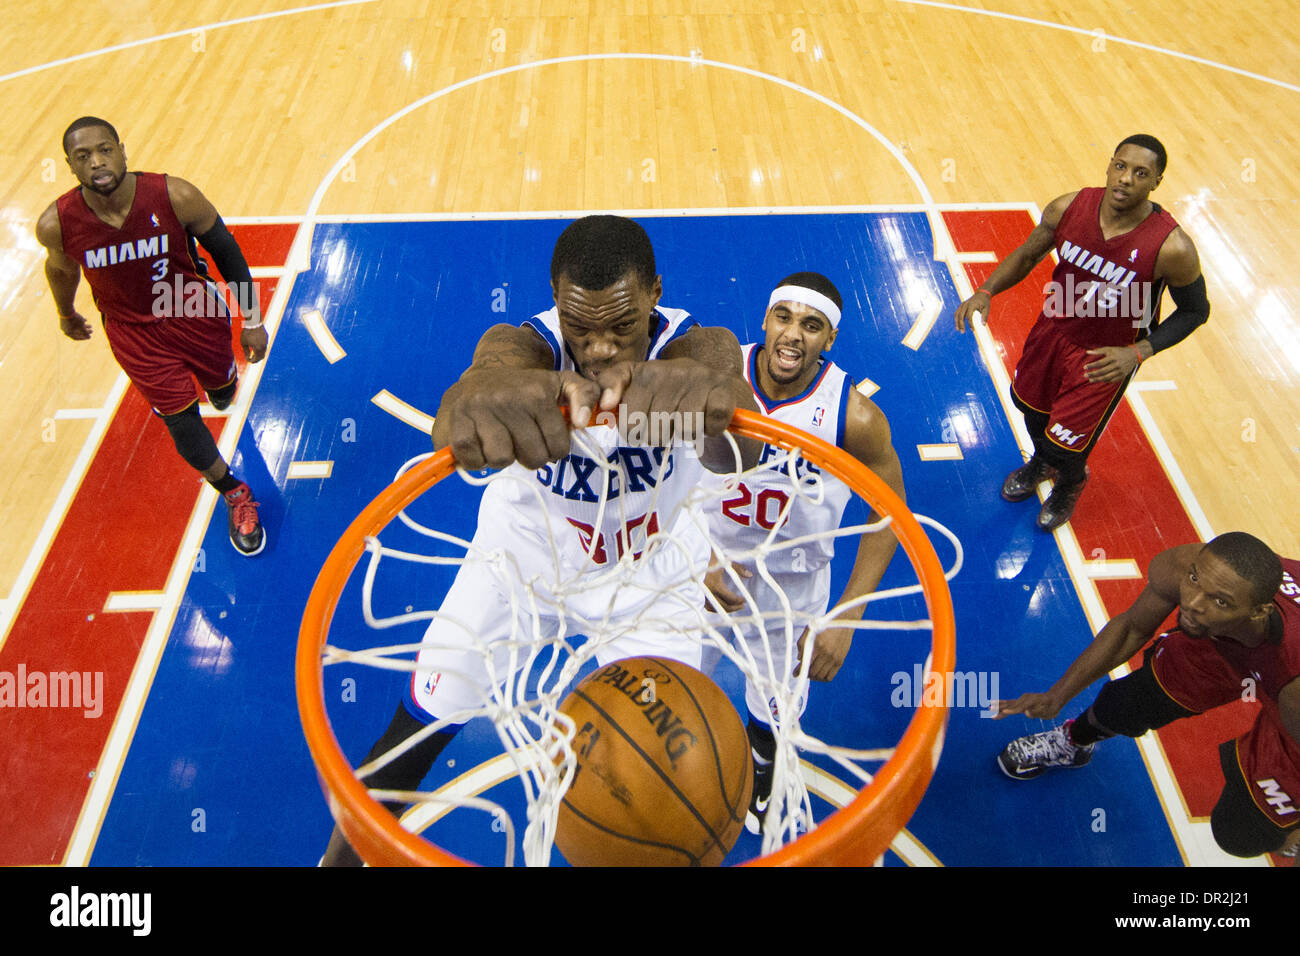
535 666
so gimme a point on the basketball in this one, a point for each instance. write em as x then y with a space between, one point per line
664 770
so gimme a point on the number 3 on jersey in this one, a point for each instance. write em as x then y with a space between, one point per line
767 507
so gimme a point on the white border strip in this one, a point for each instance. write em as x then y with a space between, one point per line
134 601
404 412
310 469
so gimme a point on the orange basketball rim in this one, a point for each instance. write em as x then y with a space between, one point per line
856 835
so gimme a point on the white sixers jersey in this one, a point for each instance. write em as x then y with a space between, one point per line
596 515
748 515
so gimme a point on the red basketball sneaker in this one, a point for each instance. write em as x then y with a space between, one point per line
246 532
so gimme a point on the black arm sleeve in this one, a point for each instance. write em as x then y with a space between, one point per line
1193 311
231 262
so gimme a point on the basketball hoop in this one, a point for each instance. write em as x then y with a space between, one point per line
857 834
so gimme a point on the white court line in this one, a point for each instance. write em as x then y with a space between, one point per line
322 336
310 469
403 412
1195 843
59 509
1112 570
1109 38
922 325
188 32
300 254
134 600
946 451
1175 474
657 213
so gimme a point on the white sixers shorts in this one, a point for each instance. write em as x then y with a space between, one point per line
771 643
487 627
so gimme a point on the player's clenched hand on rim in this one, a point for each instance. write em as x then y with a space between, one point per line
668 386
492 418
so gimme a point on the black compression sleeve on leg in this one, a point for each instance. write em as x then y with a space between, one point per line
761 739
406 772
230 261
193 440
1135 704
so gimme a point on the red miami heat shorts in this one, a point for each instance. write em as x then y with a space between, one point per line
1269 762
1196 676
163 358
1050 379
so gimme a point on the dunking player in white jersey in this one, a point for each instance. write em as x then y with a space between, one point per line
795 384
606 346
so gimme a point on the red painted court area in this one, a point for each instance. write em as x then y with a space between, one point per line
122 532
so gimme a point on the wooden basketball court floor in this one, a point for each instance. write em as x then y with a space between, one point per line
397 170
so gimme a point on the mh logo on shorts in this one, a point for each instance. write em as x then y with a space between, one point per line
1066 436
1275 797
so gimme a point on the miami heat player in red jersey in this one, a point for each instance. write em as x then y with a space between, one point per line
1237 637
1117 252
133 235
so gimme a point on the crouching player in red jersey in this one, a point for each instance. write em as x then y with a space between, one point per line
1238 628
133 235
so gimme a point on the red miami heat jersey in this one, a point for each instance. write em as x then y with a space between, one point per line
1273 666
1104 291
139 273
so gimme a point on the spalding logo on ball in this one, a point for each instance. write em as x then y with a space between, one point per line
664 770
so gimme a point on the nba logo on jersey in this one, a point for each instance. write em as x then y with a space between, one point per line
432 682
153 218
1133 256
818 415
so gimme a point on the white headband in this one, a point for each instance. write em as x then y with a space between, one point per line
809 297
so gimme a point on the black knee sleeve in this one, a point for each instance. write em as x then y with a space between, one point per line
193 440
406 772
1239 826
761 739
222 397
1135 704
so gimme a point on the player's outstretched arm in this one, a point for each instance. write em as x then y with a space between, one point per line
506 406
63 275
1019 264
1121 638
867 438
200 219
